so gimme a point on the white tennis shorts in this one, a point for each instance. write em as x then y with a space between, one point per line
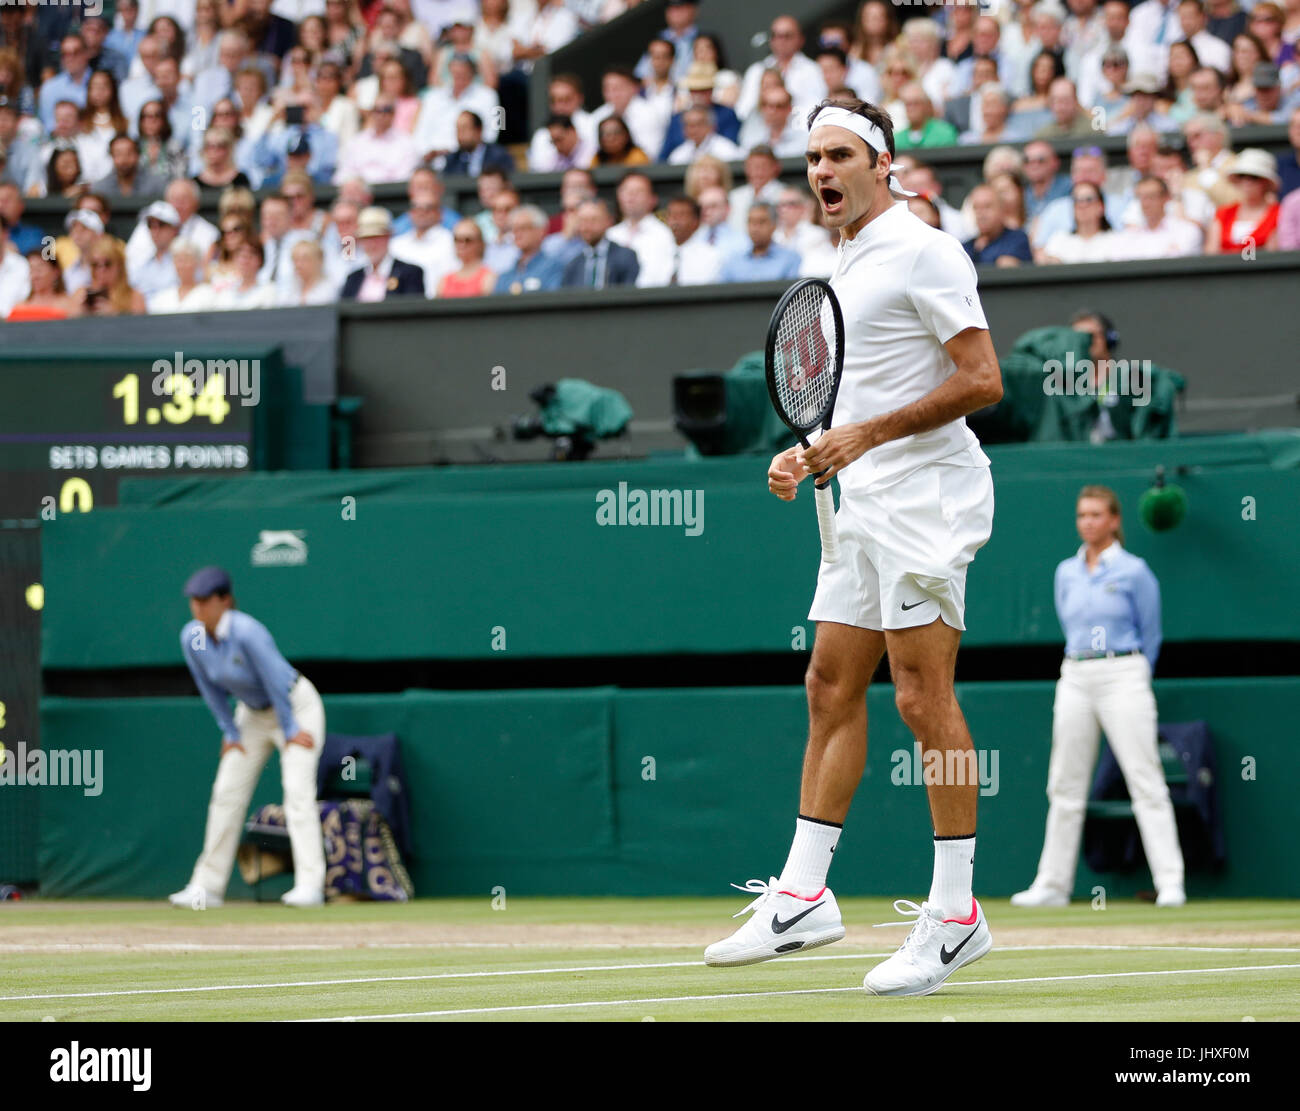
904 550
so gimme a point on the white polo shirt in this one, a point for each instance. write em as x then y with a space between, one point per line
653 244
905 289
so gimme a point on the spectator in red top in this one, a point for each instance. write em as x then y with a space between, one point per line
1252 222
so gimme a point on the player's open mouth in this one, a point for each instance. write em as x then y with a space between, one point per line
831 199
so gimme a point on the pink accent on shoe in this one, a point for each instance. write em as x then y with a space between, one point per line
805 898
974 914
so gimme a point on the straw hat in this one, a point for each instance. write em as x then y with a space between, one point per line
701 75
374 221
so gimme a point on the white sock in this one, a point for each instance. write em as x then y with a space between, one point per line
954 864
810 856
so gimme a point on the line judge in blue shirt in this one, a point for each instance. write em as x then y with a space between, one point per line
231 654
764 261
1108 603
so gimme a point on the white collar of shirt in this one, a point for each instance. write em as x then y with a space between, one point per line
1108 554
223 625
873 228
384 268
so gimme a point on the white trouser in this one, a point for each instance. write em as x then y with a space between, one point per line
237 776
1114 694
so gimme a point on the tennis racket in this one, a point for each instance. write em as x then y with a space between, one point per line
804 360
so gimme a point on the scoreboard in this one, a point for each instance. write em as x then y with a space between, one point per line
73 423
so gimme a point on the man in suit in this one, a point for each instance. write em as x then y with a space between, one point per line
472 155
601 262
382 276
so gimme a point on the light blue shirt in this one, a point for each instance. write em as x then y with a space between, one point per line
154 274
776 264
1113 608
61 87
240 661
541 272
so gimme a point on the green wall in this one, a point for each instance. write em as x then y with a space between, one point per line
548 792
417 570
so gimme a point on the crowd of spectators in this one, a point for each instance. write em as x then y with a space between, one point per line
258 104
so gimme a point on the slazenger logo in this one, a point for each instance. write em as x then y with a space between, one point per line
285 548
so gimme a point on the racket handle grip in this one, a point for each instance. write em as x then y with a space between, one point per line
825 499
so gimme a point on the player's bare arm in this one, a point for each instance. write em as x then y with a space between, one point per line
975 383
785 474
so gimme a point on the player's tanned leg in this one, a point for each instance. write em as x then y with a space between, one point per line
922 662
843 661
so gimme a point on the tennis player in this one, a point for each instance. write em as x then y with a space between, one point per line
230 654
916 504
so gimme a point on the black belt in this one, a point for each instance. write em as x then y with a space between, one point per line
1101 655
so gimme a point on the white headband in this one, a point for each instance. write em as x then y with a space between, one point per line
867 131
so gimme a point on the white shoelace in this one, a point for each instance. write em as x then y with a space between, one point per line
764 891
920 932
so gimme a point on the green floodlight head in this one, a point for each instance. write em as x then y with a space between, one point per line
1164 506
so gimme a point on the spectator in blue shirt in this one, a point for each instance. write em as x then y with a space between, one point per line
310 148
231 654
124 40
533 271
680 31
1043 177
25 237
69 83
1108 603
764 261
995 244
99 55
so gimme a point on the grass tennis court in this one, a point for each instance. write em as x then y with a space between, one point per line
628 960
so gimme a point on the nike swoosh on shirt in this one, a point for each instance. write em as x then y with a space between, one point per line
779 927
914 604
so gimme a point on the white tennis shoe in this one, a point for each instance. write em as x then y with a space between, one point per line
194 897
782 923
303 897
934 949
1036 896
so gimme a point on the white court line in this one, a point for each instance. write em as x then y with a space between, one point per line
591 968
764 994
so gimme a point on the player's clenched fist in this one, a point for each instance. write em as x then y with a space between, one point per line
785 474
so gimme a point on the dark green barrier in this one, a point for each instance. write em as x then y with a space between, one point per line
417 571
646 792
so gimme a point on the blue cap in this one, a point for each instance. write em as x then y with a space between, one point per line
207 581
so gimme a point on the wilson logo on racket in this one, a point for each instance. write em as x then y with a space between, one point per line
805 349
804 338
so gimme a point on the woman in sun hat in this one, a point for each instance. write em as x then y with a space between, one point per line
1252 221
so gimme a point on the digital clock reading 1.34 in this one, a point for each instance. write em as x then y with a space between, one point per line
188 399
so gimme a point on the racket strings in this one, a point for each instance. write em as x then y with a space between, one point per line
805 356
